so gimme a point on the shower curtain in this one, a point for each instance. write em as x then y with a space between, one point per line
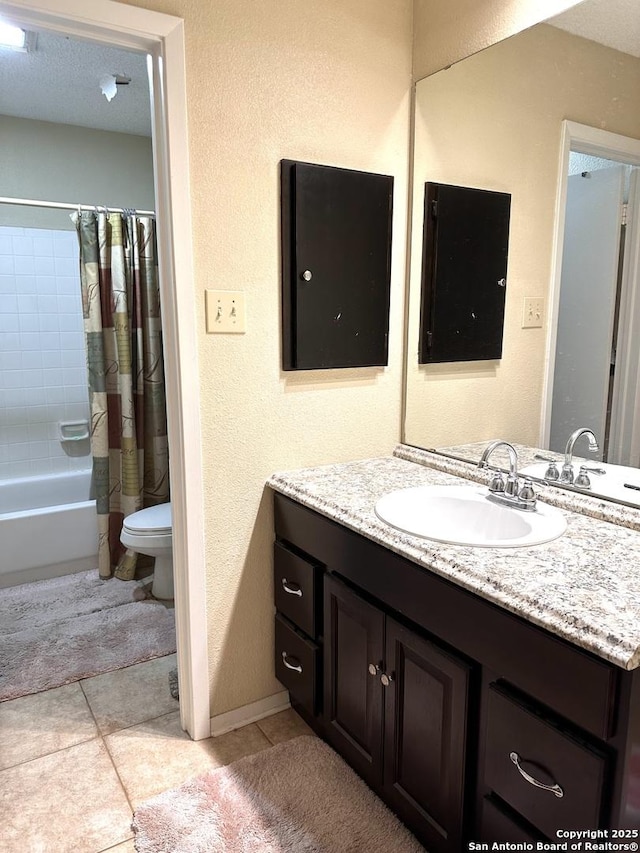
121 308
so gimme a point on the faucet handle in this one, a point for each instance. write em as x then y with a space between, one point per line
496 483
582 480
552 472
527 492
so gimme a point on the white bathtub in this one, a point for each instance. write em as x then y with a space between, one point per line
48 527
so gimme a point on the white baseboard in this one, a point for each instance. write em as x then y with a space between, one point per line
230 720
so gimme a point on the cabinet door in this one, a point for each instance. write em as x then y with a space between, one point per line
353 632
425 737
464 268
336 265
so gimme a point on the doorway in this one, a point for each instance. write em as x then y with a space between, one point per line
593 347
161 38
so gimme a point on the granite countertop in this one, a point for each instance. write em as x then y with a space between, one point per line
583 587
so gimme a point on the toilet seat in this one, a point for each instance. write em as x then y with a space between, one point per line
152 521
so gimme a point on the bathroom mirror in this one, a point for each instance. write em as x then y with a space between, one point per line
496 121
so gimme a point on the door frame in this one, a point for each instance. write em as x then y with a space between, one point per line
584 139
625 424
161 37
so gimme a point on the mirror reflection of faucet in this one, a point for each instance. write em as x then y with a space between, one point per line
566 475
508 493
605 479
581 481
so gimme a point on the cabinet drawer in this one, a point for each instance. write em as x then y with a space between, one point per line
297 664
545 754
495 825
295 581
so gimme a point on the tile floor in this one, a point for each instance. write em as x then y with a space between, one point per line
76 761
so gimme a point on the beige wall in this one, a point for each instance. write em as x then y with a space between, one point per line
445 32
494 122
61 162
325 82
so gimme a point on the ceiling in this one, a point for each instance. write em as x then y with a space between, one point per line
614 23
60 82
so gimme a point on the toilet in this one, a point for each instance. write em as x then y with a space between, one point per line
148 531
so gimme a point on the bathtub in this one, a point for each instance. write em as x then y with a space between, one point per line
48 527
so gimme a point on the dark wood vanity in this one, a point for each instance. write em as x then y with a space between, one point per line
471 723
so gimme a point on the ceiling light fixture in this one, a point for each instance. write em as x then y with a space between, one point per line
15 38
109 84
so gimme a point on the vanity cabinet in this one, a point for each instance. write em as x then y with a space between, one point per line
488 728
395 708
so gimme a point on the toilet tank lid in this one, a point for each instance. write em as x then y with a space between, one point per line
153 519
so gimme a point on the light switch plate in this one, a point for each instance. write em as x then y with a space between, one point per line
225 312
532 312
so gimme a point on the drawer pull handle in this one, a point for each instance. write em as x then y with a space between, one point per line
294 666
285 585
555 789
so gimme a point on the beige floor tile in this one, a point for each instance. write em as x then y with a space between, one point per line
284 726
33 726
127 847
158 755
132 695
67 802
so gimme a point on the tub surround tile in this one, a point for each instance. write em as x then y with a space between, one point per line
130 696
34 726
40 299
67 802
283 726
158 755
582 587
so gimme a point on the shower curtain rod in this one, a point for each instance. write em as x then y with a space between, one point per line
30 202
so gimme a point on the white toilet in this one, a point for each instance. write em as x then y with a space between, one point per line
148 531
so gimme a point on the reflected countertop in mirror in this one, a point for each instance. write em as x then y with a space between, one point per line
494 121
586 502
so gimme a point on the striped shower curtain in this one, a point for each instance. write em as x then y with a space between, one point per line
121 307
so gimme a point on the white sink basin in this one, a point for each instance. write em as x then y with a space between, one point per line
462 515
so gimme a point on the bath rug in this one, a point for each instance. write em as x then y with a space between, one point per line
297 797
58 653
32 605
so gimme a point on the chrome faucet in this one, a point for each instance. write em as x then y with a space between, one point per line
566 475
509 493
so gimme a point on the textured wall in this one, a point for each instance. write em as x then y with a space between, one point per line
494 121
446 32
324 82
61 162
